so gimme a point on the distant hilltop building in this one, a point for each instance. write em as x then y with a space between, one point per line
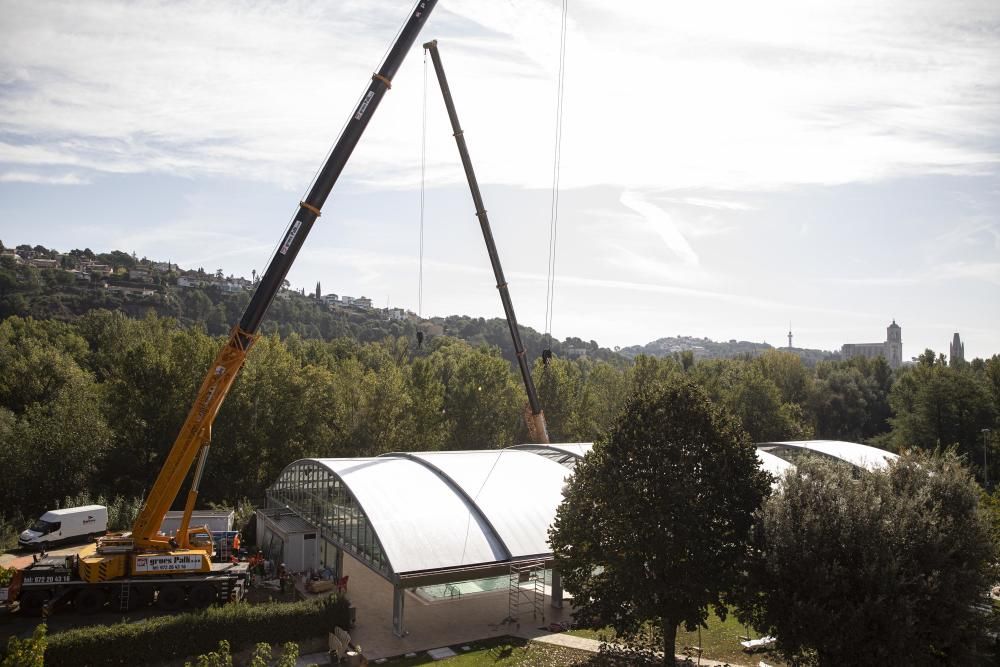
956 353
891 349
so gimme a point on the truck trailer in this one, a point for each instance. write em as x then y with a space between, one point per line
52 581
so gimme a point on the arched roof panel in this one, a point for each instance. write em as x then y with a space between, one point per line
861 456
565 454
517 491
773 464
421 522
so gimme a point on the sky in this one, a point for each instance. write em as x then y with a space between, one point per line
727 168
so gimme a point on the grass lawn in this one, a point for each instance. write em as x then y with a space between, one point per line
509 652
719 641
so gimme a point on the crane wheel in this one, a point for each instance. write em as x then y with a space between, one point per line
32 602
89 600
202 595
170 597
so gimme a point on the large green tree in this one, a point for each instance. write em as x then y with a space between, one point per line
654 520
936 405
482 401
150 371
560 388
743 388
881 568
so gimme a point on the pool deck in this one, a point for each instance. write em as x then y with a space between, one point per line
448 622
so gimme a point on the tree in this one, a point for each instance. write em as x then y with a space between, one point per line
875 568
559 385
990 372
116 259
149 371
787 372
481 401
742 388
319 292
655 519
938 406
840 403
63 441
604 394
27 652
426 414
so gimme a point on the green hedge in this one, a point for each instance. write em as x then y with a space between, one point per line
175 637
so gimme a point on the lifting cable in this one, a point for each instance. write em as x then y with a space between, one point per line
423 193
554 213
423 178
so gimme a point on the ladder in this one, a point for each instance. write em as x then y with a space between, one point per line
123 597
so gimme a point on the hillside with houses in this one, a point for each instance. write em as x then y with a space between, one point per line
48 284
704 348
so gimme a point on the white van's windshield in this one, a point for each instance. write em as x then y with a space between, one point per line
45 527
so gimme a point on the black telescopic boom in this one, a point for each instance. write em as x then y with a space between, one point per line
491 248
309 209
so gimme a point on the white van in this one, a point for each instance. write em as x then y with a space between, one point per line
73 524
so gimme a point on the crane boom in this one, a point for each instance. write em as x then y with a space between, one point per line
535 416
194 434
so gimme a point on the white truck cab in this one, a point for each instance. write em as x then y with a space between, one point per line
72 524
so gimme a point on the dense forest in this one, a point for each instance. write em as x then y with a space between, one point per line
91 397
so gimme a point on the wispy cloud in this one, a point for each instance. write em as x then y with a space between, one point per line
745 300
660 223
989 271
48 179
948 271
716 204
772 96
628 261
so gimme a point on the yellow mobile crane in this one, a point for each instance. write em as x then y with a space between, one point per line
141 566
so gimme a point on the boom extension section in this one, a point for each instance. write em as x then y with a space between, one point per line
535 418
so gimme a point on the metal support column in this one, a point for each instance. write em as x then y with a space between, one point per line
338 566
557 592
398 592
